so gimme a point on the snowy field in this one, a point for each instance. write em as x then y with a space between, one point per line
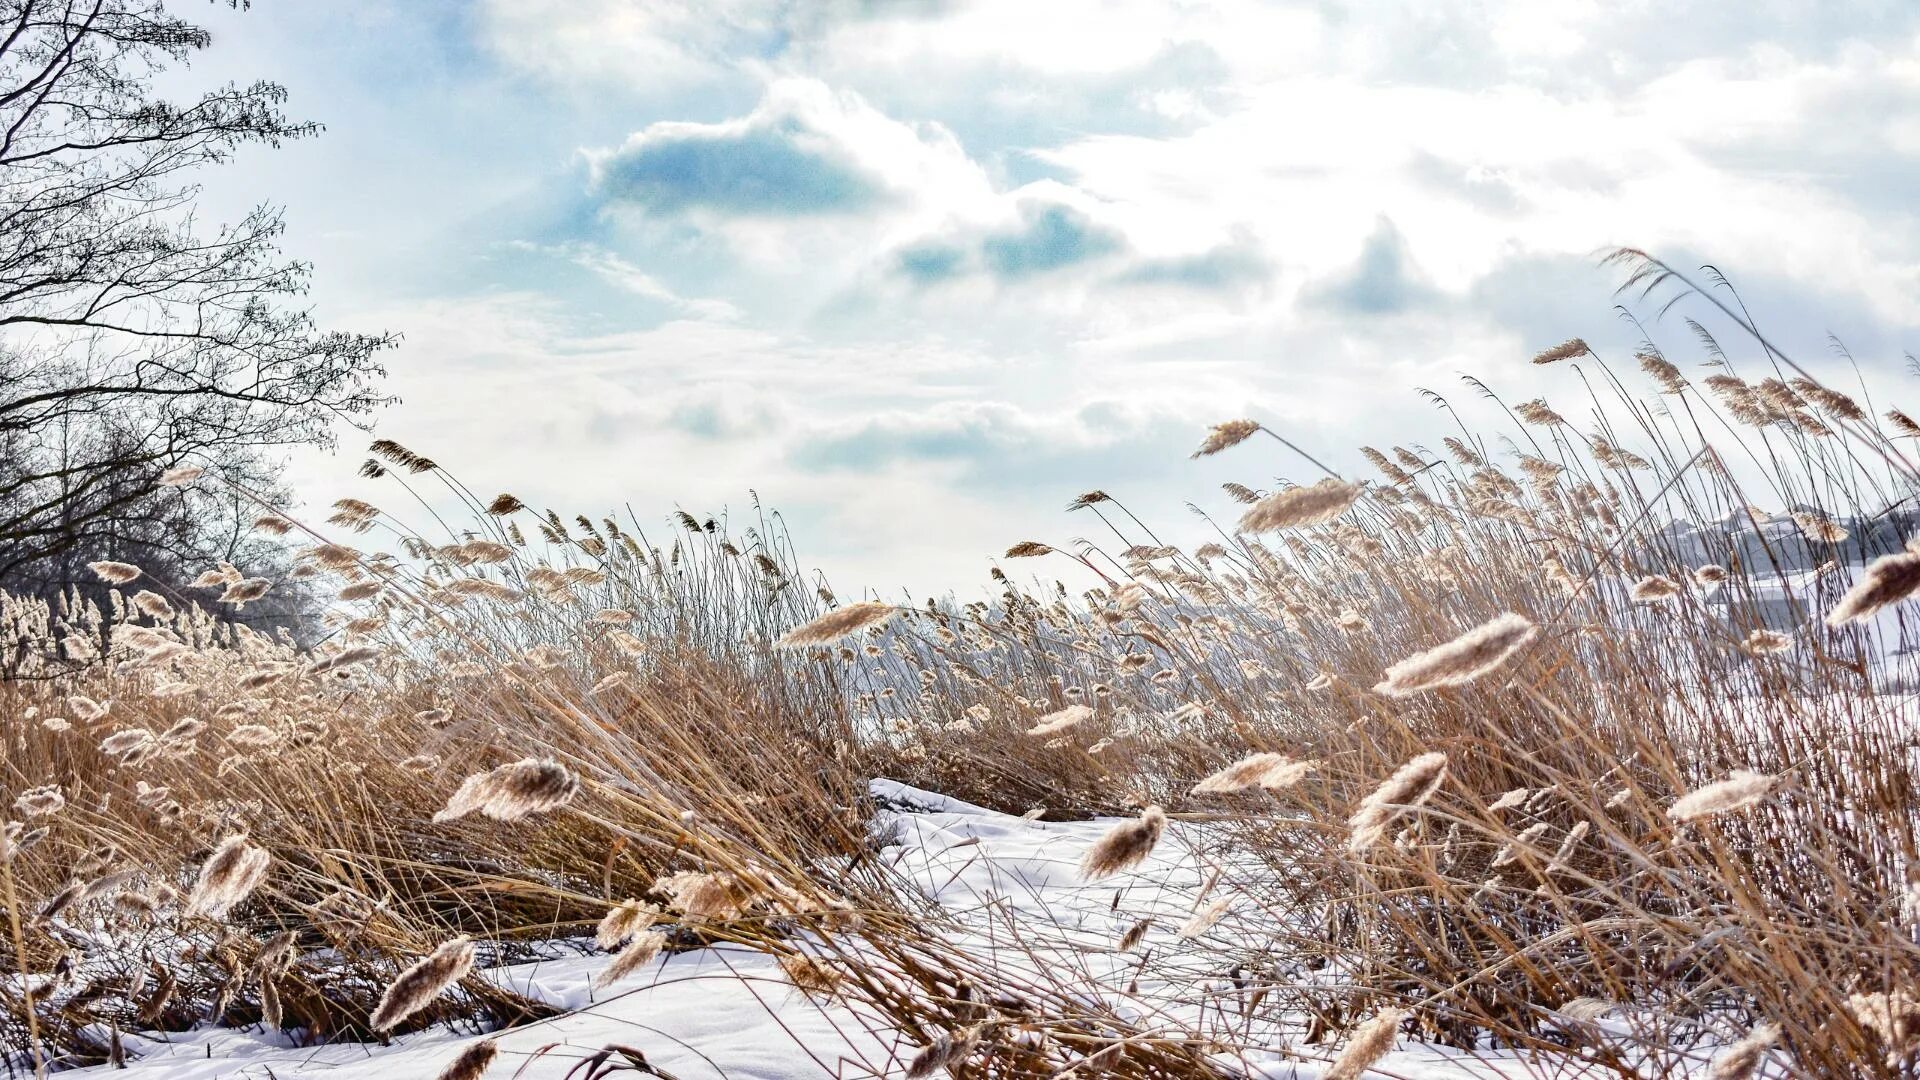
1012 888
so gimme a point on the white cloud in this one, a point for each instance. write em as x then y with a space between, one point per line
916 271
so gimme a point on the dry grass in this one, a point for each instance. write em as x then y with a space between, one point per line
1492 744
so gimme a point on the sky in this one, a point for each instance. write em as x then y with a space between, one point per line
917 273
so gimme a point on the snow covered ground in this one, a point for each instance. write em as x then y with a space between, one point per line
1012 886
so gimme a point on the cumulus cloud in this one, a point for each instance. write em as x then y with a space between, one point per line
1238 262
1383 281
874 259
797 154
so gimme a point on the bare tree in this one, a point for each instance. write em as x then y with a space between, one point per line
132 339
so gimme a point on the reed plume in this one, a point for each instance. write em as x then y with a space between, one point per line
234 870
1741 789
1123 846
1055 722
471 1063
115 573
1473 654
1889 580
638 954
1367 1045
836 624
415 988
624 921
511 792
1299 506
1226 435
1411 785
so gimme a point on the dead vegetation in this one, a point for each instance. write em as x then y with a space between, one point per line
1497 758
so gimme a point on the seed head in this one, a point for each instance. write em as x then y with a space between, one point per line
1125 845
837 624
1742 788
416 987
1297 506
1468 657
1227 435
1889 580
511 792
1412 784
638 954
229 875
1368 1044
115 573
1055 722
472 1063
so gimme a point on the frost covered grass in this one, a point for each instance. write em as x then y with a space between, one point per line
1548 752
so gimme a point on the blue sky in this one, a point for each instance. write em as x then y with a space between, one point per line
917 273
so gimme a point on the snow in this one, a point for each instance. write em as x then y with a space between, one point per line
1013 892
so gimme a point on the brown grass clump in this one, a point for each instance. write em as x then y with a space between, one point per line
511 792
1124 846
1473 654
1294 507
1544 836
416 987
